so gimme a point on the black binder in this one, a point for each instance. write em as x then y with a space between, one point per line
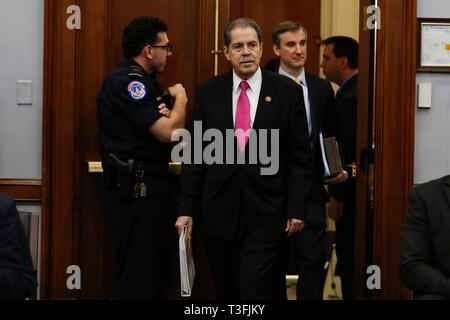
330 156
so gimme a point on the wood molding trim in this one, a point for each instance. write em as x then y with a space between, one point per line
362 246
394 150
23 191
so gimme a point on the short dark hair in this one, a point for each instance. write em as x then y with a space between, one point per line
345 47
242 22
140 32
286 26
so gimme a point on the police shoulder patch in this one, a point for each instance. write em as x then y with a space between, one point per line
137 90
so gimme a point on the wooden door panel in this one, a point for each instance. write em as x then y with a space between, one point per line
93 252
180 17
58 156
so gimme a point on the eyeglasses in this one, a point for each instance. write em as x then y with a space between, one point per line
168 47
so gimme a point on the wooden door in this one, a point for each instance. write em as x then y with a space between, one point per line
76 62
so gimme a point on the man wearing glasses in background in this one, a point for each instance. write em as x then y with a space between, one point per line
135 130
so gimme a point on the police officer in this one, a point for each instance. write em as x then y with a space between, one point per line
135 130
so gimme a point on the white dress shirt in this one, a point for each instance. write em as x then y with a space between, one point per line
304 86
255 83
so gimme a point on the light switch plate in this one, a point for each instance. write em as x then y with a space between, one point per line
24 92
425 90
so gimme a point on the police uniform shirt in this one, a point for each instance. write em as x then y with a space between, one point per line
127 108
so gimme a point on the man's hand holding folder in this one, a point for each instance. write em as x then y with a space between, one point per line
185 222
340 178
187 266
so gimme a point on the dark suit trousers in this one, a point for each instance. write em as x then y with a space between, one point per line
309 258
243 268
345 242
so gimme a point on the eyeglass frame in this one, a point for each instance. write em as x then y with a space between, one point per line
168 47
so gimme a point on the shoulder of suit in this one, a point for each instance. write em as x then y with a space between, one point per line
314 78
217 81
352 84
279 80
6 203
350 89
431 188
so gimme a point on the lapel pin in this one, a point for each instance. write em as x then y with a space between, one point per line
268 99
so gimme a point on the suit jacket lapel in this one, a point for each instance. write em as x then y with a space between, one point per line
265 100
225 101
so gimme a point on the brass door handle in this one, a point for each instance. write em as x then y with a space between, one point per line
216 52
95 167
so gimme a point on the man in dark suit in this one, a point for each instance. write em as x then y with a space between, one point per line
18 279
425 241
290 45
340 65
242 210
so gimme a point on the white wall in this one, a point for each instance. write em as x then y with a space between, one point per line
432 129
21 56
340 17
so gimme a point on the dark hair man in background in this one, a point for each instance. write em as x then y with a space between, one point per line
340 65
242 213
134 133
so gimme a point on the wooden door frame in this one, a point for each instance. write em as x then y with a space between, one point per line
365 92
60 46
394 148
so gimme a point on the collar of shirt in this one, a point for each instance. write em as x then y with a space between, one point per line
348 79
304 86
255 83
302 76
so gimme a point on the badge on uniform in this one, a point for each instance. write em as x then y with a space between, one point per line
137 90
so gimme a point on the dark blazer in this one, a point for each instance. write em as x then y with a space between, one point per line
425 240
323 118
346 110
17 275
220 193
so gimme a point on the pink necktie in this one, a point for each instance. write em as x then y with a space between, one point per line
242 123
